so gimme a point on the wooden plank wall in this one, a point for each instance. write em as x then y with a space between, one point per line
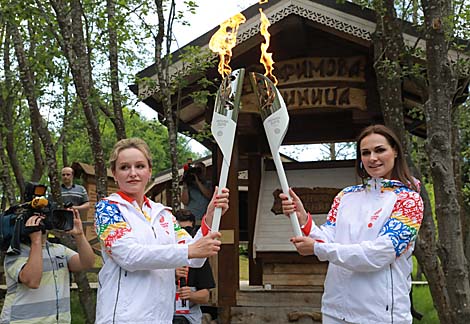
272 232
284 276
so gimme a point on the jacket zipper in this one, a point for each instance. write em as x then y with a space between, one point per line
391 280
117 295
387 293
154 234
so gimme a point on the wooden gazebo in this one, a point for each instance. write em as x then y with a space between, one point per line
324 63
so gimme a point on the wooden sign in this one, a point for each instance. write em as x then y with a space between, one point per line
317 82
346 69
316 200
324 97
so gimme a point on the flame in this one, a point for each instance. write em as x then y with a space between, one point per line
266 58
224 40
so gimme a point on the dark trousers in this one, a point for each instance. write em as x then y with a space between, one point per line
178 319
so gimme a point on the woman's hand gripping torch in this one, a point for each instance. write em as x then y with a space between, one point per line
276 121
224 124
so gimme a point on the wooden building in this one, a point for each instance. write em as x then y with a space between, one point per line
324 63
86 173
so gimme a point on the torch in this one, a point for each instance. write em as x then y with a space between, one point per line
275 121
224 124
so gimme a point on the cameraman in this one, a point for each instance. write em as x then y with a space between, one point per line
38 279
197 190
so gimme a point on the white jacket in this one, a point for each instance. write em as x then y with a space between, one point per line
368 240
137 280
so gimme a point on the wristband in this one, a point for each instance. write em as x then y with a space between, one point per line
307 227
205 229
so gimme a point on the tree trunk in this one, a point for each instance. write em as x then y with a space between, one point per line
332 147
6 104
7 188
162 63
442 87
28 82
7 115
73 45
388 45
114 71
38 167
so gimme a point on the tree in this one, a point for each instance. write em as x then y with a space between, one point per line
168 83
8 94
443 260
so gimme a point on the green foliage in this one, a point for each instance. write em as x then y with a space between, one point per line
243 250
153 132
204 133
464 120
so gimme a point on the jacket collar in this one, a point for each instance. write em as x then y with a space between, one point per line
131 200
382 184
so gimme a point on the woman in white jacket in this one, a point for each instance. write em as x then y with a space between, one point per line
368 237
139 240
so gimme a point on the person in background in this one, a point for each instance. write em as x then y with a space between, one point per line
74 194
38 279
196 281
368 237
139 243
196 192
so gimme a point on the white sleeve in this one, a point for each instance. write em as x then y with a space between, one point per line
121 244
363 257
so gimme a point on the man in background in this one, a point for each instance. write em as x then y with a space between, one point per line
73 193
197 190
197 281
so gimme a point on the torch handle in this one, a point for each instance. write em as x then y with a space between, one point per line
285 189
222 184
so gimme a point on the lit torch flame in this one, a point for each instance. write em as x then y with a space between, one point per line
224 40
266 58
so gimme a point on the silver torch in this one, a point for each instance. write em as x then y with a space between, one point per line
223 127
275 119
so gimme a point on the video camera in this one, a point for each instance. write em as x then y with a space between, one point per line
191 171
13 220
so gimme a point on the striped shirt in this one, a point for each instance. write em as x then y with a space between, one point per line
76 194
50 303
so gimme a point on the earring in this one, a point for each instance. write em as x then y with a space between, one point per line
361 166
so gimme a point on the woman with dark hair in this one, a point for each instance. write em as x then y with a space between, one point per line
368 237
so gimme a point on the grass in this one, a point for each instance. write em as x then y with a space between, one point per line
78 317
422 302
